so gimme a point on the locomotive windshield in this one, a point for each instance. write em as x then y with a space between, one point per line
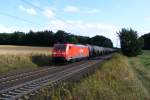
60 47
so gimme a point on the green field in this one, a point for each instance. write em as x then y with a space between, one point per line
23 57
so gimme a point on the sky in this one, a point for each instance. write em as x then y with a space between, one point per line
79 17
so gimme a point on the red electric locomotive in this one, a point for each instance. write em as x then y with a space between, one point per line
69 52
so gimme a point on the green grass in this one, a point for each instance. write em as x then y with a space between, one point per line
141 65
117 79
145 59
23 57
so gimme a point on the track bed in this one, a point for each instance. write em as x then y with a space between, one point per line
20 84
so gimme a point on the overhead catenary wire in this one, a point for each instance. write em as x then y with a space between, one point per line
28 21
17 18
41 9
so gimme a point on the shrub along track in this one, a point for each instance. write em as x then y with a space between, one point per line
19 85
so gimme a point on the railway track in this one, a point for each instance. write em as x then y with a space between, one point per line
23 84
18 78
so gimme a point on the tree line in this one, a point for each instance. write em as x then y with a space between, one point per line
49 38
131 44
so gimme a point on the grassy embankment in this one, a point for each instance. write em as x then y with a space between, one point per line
142 67
121 78
23 57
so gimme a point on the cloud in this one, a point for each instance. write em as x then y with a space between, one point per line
74 9
85 29
30 11
4 28
92 11
10 29
71 9
48 13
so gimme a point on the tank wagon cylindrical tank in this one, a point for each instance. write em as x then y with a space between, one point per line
96 50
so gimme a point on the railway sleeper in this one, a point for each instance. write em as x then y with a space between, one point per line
34 85
4 95
18 91
23 89
28 88
13 93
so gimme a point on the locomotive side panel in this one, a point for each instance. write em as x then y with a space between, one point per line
76 52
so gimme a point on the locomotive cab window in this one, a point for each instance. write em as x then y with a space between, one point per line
60 47
69 47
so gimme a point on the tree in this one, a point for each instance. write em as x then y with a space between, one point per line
17 38
60 36
130 44
146 38
48 38
101 41
83 39
141 44
72 39
5 38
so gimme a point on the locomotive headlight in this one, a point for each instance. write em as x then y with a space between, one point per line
54 53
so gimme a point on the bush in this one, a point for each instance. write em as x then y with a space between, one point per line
131 45
146 38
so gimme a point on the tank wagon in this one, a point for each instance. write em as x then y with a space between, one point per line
73 52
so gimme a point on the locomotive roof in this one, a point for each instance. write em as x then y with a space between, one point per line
71 44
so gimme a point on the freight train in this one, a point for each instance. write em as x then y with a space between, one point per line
73 52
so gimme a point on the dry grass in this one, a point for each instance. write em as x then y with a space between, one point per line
23 57
10 49
115 80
